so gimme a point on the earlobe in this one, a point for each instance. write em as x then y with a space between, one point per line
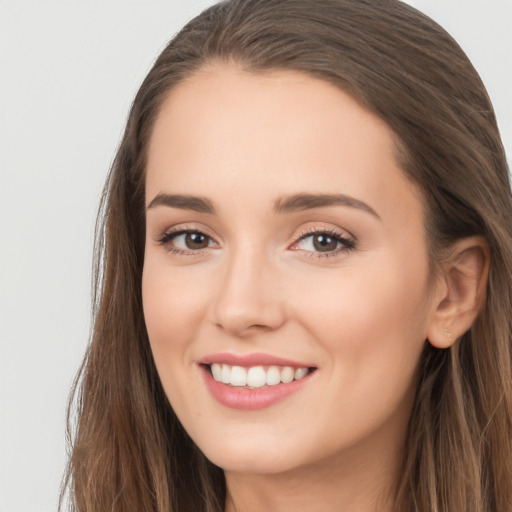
462 291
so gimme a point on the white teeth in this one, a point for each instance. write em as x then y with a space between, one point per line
226 374
287 374
238 376
300 372
256 376
273 376
217 371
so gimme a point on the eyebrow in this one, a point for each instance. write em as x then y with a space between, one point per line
183 202
300 202
287 204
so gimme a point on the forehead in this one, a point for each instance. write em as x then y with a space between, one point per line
236 134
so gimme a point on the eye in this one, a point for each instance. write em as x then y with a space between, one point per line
324 243
191 240
184 241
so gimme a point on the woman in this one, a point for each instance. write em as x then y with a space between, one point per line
304 274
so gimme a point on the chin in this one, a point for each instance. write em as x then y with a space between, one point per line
252 456
255 462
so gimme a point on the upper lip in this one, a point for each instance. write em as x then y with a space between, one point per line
254 359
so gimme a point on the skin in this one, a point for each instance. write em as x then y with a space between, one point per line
360 315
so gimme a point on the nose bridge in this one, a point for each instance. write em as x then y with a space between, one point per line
248 294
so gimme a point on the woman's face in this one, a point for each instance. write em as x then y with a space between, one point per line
283 242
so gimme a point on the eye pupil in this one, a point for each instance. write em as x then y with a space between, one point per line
324 243
196 241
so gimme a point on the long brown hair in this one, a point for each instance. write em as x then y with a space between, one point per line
129 452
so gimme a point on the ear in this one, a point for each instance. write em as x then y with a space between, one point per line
461 289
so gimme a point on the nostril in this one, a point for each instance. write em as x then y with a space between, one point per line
242 329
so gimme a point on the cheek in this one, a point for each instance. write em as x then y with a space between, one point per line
173 308
372 331
369 322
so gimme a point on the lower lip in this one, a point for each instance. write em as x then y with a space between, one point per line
251 399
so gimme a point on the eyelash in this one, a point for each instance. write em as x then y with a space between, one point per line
166 239
347 243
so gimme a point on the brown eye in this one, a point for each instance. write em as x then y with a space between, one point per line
324 242
186 241
195 240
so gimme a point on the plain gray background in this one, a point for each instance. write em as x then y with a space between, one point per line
68 73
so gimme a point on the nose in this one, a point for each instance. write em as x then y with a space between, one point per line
248 298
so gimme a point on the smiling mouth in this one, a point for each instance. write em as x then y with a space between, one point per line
255 377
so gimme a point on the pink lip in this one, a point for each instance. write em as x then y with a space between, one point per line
255 359
250 399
